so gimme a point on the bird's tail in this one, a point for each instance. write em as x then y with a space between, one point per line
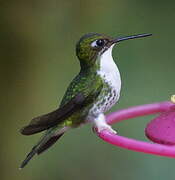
46 141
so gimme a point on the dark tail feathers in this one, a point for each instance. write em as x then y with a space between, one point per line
43 145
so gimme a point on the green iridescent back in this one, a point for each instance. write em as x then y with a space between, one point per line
85 82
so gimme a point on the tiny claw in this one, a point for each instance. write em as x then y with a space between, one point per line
94 129
111 130
106 127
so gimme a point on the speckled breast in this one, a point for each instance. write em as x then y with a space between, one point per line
107 98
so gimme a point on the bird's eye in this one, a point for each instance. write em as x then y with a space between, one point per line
98 43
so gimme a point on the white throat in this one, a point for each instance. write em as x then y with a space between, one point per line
109 70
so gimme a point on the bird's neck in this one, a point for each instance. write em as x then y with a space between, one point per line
106 62
109 71
104 65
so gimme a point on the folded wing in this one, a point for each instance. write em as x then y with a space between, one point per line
51 119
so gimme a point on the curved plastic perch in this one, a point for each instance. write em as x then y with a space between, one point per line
136 145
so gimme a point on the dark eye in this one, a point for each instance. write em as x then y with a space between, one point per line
100 42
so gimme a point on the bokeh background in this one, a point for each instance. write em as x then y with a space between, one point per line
37 53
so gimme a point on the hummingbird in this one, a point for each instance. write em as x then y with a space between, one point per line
91 93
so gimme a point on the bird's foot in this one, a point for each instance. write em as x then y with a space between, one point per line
100 124
106 127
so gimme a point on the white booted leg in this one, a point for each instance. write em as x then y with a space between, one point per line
100 123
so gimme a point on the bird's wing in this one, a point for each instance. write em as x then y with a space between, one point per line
51 119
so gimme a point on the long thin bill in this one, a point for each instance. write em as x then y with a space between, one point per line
130 37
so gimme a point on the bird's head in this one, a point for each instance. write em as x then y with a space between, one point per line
92 45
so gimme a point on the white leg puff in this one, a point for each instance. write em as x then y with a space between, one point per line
101 124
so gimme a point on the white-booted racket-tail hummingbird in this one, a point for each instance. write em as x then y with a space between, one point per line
92 92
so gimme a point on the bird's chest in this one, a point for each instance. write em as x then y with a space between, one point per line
111 85
109 94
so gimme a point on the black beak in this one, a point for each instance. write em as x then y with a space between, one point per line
116 40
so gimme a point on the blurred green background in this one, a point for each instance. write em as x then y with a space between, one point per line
37 53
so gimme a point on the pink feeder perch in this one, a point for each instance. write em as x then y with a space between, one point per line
160 130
